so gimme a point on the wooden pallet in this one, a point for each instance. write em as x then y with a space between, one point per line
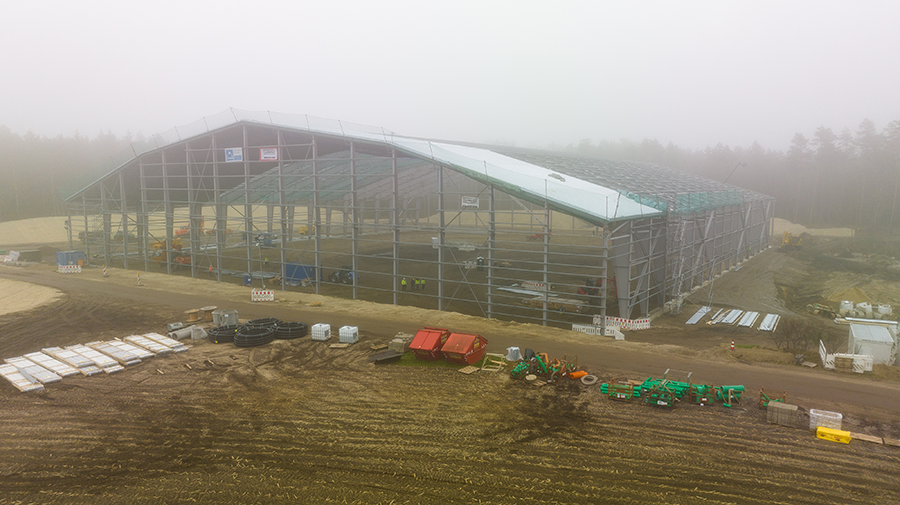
338 346
468 370
866 438
378 347
493 362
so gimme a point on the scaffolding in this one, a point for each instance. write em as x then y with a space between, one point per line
492 232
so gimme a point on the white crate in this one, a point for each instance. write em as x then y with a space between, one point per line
348 334
824 418
321 332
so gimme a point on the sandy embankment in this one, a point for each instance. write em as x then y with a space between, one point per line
17 296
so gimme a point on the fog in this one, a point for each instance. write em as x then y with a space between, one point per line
525 73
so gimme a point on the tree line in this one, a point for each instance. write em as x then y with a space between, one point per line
38 173
851 179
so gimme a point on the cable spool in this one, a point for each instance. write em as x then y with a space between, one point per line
222 334
265 322
252 337
288 331
589 380
193 315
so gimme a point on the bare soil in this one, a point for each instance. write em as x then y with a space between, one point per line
297 422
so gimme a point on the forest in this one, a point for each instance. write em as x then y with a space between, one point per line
850 179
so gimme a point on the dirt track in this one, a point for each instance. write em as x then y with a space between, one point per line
295 422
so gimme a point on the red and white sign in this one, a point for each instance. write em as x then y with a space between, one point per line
262 295
268 154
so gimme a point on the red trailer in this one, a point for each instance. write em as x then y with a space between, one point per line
464 348
428 342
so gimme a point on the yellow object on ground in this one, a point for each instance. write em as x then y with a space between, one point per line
833 435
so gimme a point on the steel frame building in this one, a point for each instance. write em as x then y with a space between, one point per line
482 226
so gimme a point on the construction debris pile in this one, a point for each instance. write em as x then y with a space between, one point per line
538 368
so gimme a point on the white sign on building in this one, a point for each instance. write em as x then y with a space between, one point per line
469 202
234 154
268 154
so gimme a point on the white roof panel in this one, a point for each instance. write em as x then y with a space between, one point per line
867 333
563 191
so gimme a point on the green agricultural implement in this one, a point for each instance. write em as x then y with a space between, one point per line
771 395
729 395
620 390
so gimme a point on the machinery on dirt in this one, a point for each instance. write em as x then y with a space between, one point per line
186 230
539 236
790 242
160 253
94 237
591 289
343 276
822 310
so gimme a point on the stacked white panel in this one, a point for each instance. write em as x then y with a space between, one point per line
702 311
150 345
32 370
133 349
769 322
107 364
124 358
748 319
175 345
18 380
732 316
60 368
84 365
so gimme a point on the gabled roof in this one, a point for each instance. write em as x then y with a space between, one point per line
573 187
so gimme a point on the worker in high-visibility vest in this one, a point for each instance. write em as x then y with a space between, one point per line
403 284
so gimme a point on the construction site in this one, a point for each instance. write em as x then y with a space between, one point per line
623 331
360 212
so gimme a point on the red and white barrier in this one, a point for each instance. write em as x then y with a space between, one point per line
262 295
621 322
589 329
68 269
535 286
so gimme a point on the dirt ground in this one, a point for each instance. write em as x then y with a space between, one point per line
298 422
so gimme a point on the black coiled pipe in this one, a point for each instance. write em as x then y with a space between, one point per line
287 331
266 322
222 334
252 337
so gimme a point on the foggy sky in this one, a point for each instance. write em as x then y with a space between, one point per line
524 72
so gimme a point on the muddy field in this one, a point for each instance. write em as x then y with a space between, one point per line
297 422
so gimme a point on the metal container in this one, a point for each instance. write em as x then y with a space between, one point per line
321 332
225 317
427 343
348 335
70 258
464 348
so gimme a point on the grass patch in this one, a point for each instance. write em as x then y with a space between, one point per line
409 359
